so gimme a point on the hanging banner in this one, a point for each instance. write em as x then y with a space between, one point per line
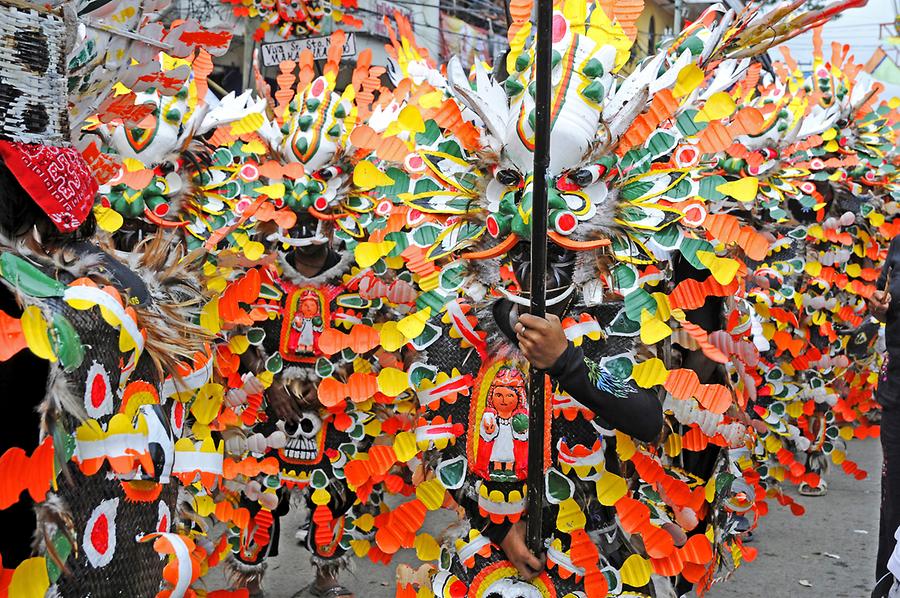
373 17
469 42
273 54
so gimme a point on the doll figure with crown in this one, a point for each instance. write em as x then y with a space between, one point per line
503 432
306 322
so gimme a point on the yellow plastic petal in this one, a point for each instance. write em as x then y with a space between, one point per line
239 344
368 253
718 106
723 269
431 493
625 446
108 219
570 516
411 120
204 505
365 522
710 489
30 579
689 77
249 124
275 191
367 176
610 488
208 402
653 330
360 547
392 381
742 189
36 333
636 571
427 548
254 147
412 325
650 373
321 496
794 409
209 316
405 446
673 444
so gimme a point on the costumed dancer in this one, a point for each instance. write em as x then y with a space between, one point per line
804 314
460 155
321 343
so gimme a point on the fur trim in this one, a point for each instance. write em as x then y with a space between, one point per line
53 515
58 400
173 281
64 260
603 224
330 567
294 372
240 575
331 275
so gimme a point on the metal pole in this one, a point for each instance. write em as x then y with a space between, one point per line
678 17
536 404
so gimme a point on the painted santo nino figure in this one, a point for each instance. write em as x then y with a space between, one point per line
503 451
306 325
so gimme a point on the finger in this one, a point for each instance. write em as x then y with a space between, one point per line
532 322
553 319
532 336
528 319
534 563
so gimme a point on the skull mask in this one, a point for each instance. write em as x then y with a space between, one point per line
511 588
306 439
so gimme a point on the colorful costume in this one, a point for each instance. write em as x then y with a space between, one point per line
365 257
628 189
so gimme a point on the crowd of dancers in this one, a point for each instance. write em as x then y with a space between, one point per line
313 295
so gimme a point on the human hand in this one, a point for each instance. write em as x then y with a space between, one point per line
282 403
542 340
517 552
878 304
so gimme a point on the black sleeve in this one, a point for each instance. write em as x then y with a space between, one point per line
495 532
892 251
624 406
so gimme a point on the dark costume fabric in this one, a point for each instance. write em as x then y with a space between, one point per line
94 505
888 396
316 442
589 403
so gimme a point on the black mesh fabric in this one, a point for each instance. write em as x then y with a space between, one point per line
136 568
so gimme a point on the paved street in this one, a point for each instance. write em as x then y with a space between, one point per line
793 550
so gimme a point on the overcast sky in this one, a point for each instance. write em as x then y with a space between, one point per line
857 27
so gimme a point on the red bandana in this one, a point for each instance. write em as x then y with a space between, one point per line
57 178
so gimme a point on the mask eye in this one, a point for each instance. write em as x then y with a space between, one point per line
167 167
509 177
582 177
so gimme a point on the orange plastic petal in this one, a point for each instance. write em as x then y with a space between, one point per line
12 339
19 472
727 228
633 514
